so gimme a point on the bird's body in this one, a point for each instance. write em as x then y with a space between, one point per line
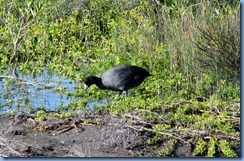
119 78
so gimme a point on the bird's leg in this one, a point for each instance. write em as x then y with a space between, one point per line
107 98
127 93
120 92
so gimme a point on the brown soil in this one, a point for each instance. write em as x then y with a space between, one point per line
23 136
54 137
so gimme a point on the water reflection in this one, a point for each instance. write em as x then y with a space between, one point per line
30 95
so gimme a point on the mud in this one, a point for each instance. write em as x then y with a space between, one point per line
24 136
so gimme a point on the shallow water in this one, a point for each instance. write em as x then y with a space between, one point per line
26 97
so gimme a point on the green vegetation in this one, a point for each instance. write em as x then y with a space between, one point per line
192 49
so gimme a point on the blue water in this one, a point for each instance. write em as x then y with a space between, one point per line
27 97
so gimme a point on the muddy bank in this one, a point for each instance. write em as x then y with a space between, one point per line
56 137
23 136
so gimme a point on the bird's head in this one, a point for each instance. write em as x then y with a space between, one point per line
90 80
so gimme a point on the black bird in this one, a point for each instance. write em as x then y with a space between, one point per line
119 78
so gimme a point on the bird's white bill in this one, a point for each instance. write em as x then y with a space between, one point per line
85 87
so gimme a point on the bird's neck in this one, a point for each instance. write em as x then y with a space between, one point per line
98 83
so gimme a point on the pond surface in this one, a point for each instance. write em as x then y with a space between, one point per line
29 96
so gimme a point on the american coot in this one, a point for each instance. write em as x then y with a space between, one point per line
118 78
